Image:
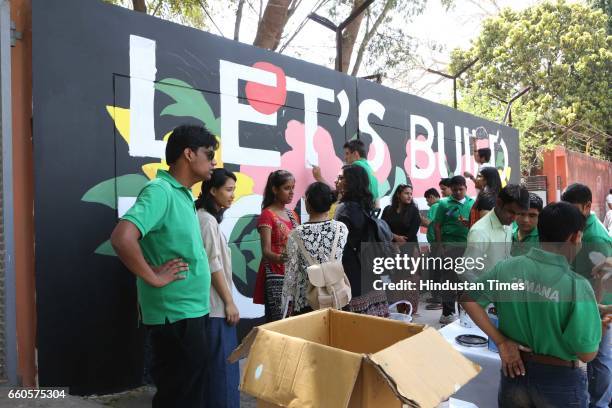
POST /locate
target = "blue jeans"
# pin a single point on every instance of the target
(599, 373)
(544, 386)
(224, 377)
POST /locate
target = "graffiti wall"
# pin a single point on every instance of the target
(110, 85)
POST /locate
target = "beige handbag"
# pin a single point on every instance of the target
(329, 286)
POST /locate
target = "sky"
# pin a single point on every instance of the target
(448, 29)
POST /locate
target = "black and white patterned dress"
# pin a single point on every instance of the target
(318, 238)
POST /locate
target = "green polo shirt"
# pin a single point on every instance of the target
(373, 181)
(595, 238)
(447, 215)
(521, 247)
(556, 314)
(165, 215)
(431, 215)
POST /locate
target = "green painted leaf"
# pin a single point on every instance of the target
(239, 267)
(189, 102)
(400, 177)
(383, 188)
(238, 229)
(128, 185)
(105, 249)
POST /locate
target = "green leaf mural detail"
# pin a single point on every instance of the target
(242, 243)
(188, 102)
(400, 177)
(239, 266)
(383, 188)
(128, 185)
(105, 249)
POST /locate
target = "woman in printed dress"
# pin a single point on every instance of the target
(274, 225)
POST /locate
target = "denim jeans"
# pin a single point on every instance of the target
(599, 373)
(544, 386)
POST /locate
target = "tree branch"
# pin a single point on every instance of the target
(238, 19)
(139, 5)
(368, 36)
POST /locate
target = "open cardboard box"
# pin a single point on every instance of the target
(336, 359)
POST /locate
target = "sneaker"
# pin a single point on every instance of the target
(448, 319)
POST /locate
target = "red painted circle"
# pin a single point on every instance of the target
(267, 99)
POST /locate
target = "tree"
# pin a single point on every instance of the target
(188, 12)
(564, 53)
(272, 24)
(606, 7)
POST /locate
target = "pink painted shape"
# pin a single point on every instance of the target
(421, 185)
(383, 172)
(295, 162)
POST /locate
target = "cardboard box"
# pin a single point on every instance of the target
(335, 359)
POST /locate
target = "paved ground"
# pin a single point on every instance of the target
(141, 397)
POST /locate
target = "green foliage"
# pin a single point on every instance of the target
(606, 7)
(564, 53)
(186, 12)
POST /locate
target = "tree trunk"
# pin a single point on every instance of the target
(272, 24)
(139, 5)
(368, 36)
(349, 36)
(238, 18)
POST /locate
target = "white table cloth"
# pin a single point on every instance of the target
(482, 390)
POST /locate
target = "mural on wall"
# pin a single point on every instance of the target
(127, 87)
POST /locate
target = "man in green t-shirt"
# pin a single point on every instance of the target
(355, 153)
(159, 241)
(525, 228)
(596, 243)
(548, 322)
(451, 220)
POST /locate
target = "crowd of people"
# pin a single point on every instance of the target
(182, 261)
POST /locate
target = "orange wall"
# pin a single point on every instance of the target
(575, 167)
(23, 182)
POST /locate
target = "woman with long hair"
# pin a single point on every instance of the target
(357, 204)
(404, 221)
(489, 185)
(320, 237)
(274, 225)
(217, 195)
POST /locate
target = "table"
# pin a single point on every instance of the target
(482, 390)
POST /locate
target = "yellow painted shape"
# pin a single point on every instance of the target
(121, 117)
(244, 185)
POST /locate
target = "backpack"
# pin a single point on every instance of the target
(377, 230)
(329, 286)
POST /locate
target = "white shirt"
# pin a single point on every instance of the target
(489, 239)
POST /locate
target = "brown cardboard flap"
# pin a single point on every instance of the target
(424, 369)
(292, 372)
(243, 349)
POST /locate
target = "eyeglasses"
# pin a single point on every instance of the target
(210, 155)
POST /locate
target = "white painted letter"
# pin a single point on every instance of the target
(425, 146)
(366, 108)
(232, 112)
(142, 91)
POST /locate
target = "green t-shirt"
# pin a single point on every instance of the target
(431, 214)
(447, 215)
(373, 181)
(165, 215)
(595, 238)
(521, 247)
(556, 314)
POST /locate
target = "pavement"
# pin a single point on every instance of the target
(141, 397)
